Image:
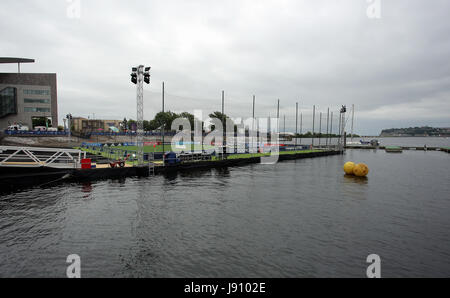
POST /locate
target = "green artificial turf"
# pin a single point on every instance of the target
(150, 149)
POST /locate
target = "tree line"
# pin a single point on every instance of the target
(165, 120)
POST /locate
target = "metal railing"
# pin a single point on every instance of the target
(65, 133)
(12, 156)
(34, 133)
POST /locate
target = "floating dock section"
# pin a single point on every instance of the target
(18, 177)
(394, 149)
(417, 148)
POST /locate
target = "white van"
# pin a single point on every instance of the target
(18, 127)
(40, 128)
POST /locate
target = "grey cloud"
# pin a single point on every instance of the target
(323, 52)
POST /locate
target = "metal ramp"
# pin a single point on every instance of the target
(26, 157)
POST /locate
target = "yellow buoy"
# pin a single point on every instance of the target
(361, 170)
(348, 168)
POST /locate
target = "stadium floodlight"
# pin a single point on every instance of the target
(138, 77)
(147, 75)
(134, 78)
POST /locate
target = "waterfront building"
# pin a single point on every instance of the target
(84, 125)
(26, 96)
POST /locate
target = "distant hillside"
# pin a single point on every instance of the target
(425, 131)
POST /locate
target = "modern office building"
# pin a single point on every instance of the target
(25, 96)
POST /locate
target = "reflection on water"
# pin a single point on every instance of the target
(86, 187)
(122, 181)
(170, 176)
(355, 188)
(223, 172)
(301, 218)
(355, 179)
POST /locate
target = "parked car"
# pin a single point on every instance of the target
(18, 127)
(40, 128)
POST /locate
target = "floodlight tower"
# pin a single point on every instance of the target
(140, 75)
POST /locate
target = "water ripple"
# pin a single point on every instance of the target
(295, 219)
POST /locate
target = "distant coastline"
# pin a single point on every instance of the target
(423, 132)
(399, 137)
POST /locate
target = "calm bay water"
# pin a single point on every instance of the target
(394, 141)
(299, 218)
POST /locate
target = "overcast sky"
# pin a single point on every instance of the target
(395, 69)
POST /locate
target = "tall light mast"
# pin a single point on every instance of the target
(138, 77)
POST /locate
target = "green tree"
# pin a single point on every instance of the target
(124, 124)
(163, 119)
(188, 116)
(220, 116)
(147, 125)
(131, 123)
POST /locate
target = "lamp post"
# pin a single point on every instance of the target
(224, 121)
(164, 123)
(278, 119)
(331, 128)
(320, 129)
(296, 124)
(69, 124)
(342, 128)
(253, 128)
(313, 125)
(328, 126)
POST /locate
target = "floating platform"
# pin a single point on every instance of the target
(445, 149)
(417, 148)
(394, 149)
(14, 178)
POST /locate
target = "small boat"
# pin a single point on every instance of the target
(394, 149)
(373, 143)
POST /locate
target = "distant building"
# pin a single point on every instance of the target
(25, 96)
(84, 125)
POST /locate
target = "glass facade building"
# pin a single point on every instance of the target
(8, 101)
(36, 92)
(36, 110)
(27, 96)
(34, 100)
